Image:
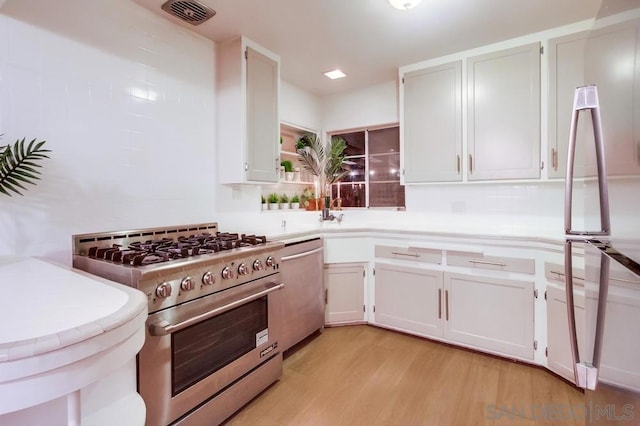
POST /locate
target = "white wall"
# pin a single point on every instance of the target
(125, 100)
(369, 107)
(299, 108)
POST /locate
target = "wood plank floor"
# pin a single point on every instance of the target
(363, 375)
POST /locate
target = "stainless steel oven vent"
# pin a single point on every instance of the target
(189, 11)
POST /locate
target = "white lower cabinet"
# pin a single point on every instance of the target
(490, 313)
(486, 313)
(409, 299)
(344, 293)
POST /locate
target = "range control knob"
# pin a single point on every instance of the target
(270, 262)
(243, 269)
(258, 265)
(226, 273)
(163, 290)
(187, 284)
(208, 278)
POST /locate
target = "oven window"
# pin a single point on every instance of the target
(206, 347)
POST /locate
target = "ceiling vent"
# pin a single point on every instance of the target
(189, 11)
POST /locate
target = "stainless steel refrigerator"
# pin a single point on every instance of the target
(602, 219)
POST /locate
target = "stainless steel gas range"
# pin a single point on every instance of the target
(214, 315)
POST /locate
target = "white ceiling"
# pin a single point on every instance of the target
(368, 39)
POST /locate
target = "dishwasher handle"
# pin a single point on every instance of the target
(303, 254)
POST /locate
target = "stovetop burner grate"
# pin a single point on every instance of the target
(140, 253)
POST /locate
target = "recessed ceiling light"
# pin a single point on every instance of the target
(335, 74)
(404, 4)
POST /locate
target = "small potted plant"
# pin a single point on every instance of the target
(295, 202)
(288, 169)
(284, 201)
(273, 200)
(264, 202)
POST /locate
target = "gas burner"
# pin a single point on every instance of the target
(140, 253)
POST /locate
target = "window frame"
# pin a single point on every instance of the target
(366, 155)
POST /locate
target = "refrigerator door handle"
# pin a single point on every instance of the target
(586, 374)
(586, 98)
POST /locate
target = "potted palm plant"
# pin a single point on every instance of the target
(326, 163)
(18, 165)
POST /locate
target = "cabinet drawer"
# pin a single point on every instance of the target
(495, 263)
(414, 254)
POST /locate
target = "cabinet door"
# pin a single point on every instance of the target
(504, 114)
(566, 73)
(431, 130)
(263, 126)
(610, 62)
(409, 299)
(490, 313)
(559, 357)
(344, 297)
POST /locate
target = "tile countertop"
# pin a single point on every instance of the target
(62, 331)
(47, 307)
(473, 228)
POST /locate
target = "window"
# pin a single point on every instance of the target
(373, 158)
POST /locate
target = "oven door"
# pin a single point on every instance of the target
(195, 350)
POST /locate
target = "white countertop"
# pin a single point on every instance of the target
(404, 223)
(46, 307)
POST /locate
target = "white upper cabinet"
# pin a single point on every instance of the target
(431, 127)
(247, 83)
(503, 114)
(566, 73)
(610, 62)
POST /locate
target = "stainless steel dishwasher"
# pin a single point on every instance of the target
(302, 269)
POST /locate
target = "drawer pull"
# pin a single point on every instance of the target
(561, 275)
(405, 254)
(484, 262)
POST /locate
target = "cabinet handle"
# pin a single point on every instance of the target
(446, 304)
(458, 163)
(561, 276)
(439, 303)
(326, 296)
(405, 254)
(554, 158)
(470, 163)
(484, 262)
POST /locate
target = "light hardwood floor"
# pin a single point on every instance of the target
(363, 375)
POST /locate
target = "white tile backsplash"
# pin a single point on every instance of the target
(126, 102)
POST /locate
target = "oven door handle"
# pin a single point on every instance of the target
(163, 327)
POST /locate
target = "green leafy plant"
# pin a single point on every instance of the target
(264, 200)
(284, 199)
(326, 164)
(295, 199)
(19, 165)
(287, 164)
(273, 198)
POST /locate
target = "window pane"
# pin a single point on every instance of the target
(384, 141)
(356, 167)
(386, 195)
(355, 143)
(352, 194)
(384, 168)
